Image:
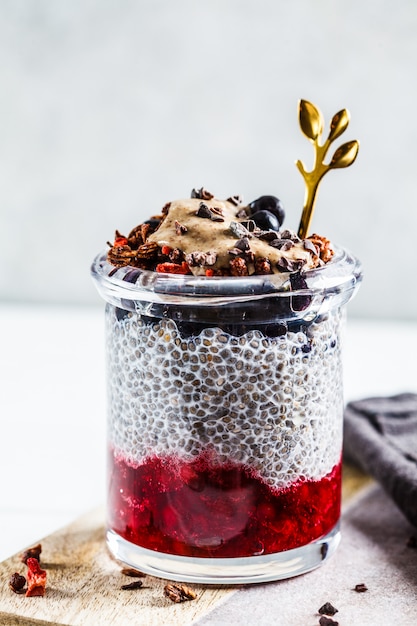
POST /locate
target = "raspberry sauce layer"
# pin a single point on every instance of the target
(200, 509)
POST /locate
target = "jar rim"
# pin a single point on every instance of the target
(342, 274)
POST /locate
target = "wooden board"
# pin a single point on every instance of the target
(84, 582)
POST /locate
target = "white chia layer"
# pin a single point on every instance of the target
(273, 404)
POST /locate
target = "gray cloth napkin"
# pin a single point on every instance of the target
(380, 435)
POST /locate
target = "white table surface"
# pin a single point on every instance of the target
(52, 390)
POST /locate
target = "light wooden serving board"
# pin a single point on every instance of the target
(84, 582)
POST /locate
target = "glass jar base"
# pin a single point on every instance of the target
(218, 571)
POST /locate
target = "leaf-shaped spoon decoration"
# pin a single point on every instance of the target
(338, 125)
(345, 155)
(311, 123)
(311, 120)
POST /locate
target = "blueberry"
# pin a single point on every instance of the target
(131, 276)
(121, 314)
(265, 220)
(153, 222)
(299, 303)
(271, 204)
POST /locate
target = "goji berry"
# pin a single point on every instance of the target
(173, 268)
(36, 578)
(166, 250)
(120, 241)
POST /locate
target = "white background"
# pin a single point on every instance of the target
(110, 108)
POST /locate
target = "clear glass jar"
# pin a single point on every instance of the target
(225, 410)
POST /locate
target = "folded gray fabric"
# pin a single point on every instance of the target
(380, 435)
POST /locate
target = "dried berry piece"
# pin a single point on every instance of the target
(17, 582)
(327, 621)
(137, 584)
(262, 266)
(238, 267)
(360, 588)
(173, 268)
(119, 240)
(327, 609)
(222, 271)
(31, 553)
(179, 593)
(36, 578)
(133, 573)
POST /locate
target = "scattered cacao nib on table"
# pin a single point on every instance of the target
(327, 621)
(176, 592)
(327, 609)
(179, 593)
(136, 584)
(360, 588)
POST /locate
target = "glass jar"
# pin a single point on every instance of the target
(225, 410)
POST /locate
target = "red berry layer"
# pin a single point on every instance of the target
(200, 509)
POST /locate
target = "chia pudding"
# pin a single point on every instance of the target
(225, 396)
(224, 378)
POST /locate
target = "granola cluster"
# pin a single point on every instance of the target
(206, 236)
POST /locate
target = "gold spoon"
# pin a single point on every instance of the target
(311, 123)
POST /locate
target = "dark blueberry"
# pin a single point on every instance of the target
(269, 203)
(274, 330)
(131, 276)
(121, 314)
(299, 303)
(266, 220)
(153, 222)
